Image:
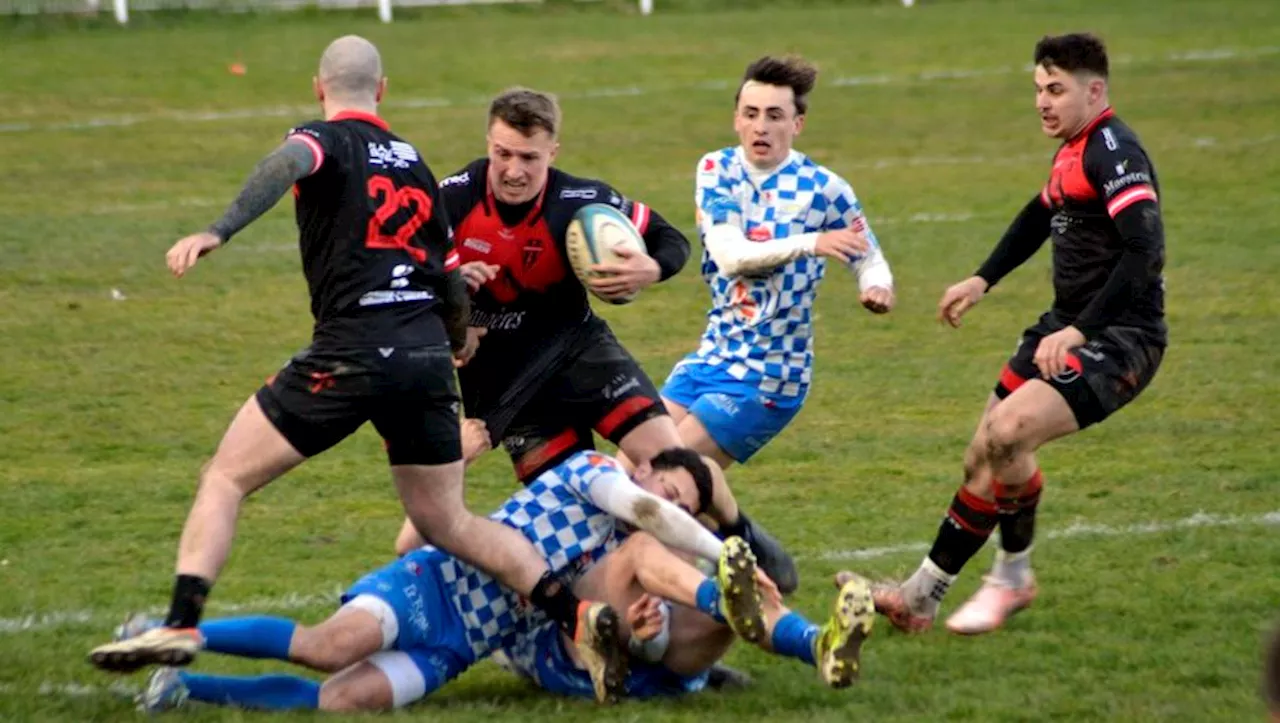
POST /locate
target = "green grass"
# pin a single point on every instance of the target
(108, 408)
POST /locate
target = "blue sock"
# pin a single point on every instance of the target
(793, 637)
(708, 598)
(268, 692)
(251, 637)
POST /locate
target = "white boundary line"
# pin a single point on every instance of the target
(294, 601)
(290, 111)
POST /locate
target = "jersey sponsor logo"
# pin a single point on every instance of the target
(1127, 179)
(460, 179)
(305, 131)
(477, 245)
(620, 385)
(1109, 139)
(503, 321)
(759, 233)
(417, 611)
(376, 298)
(709, 165)
(586, 194)
(533, 248)
(396, 154)
(386, 351)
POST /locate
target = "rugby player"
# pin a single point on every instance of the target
(1093, 352)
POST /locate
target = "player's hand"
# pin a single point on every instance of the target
(959, 298)
(843, 245)
(1051, 353)
(619, 281)
(184, 254)
(475, 439)
(644, 616)
(463, 355)
(877, 299)
(478, 273)
(769, 594)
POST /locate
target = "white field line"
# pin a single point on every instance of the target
(177, 116)
(1202, 143)
(1076, 530)
(36, 622)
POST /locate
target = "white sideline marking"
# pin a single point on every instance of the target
(1077, 529)
(294, 601)
(291, 111)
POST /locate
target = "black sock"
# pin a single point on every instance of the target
(969, 522)
(737, 528)
(189, 594)
(558, 601)
(1018, 514)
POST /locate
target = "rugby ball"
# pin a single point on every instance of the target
(595, 233)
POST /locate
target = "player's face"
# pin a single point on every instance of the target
(518, 163)
(1066, 101)
(673, 485)
(766, 122)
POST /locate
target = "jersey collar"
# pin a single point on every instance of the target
(359, 115)
(1104, 115)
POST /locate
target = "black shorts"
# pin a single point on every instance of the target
(322, 396)
(1102, 376)
(598, 387)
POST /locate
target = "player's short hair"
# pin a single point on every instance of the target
(526, 110)
(792, 72)
(1074, 52)
(691, 462)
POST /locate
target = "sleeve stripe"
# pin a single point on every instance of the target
(1130, 197)
(452, 261)
(640, 217)
(1044, 197)
(314, 145)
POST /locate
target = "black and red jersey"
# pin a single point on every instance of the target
(374, 239)
(536, 305)
(1101, 209)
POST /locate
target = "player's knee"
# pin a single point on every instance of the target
(975, 458)
(1005, 436)
(216, 479)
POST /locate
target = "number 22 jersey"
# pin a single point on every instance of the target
(374, 238)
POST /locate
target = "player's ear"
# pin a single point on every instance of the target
(555, 150)
(1097, 89)
(317, 88)
(799, 123)
(382, 89)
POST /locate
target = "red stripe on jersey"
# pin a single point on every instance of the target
(1130, 197)
(451, 261)
(359, 115)
(1044, 196)
(640, 217)
(316, 149)
(621, 413)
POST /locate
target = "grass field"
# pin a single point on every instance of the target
(1160, 576)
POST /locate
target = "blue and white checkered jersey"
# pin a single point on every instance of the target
(760, 325)
(556, 514)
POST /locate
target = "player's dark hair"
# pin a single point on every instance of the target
(526, 110)
(691, 462)
(1073, 53)
(792, 72)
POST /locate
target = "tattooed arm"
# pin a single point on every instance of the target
(271, 179)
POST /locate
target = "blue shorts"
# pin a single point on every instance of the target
(554, 671)
(421, 627)
(738, 416)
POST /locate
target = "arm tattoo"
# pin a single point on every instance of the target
(456, 309)
(269, 181)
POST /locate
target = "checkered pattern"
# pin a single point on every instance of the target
(759, 326)
(556, 514)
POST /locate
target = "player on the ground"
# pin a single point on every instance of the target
(413, 625)
(769, 217)
(1092, 353)
(549, 371)
(389, 305)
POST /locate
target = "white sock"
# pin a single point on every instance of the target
(926, 588)
(1013, 568)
